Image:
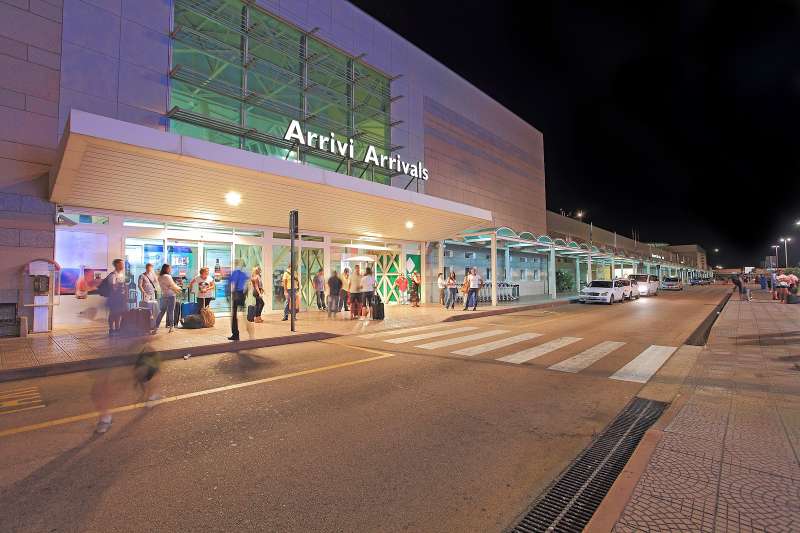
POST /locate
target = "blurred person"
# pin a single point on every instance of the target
(148, 286)
(402, 286)
(169, 294)
(368, 290)
(355, 292)
(115, 289)
(792, 297)
(451, 285)
(288, 275)
(319, 289)
(206, 287)
(238, 284)
(442, 285)
(475, 284)
(334, 293)
(414, 288)
(258, 292)
(344, 296)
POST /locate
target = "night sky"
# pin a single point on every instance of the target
(678, 119)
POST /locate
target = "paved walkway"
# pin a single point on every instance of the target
(87, 343)
(726, 457)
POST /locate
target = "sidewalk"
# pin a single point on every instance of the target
(92, 344)
(724, 457)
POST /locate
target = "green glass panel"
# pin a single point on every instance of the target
(205, 102)
(183, 128)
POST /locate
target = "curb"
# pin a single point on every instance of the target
(700, 335)
(481, 314)
(54, 369)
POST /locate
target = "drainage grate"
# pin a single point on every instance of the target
(573, 497)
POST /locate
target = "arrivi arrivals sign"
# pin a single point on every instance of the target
(344, 148)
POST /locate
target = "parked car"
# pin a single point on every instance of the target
(671, 284)
(697, 281)
(646, 283)
(630, 288)
(603, 291)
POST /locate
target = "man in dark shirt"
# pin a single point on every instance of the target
(334, 289)
(238, 284)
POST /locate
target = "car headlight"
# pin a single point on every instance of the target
(604, 294)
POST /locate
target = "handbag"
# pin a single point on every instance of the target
(251, 313)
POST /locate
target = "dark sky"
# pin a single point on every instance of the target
(680, 119)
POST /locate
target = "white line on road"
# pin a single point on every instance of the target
(538, 351)
(400, 331)
(430, 335)
(645, 364)
(587, 357)
(494, 345)
(461, 340)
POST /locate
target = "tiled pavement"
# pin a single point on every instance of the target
(728, 459)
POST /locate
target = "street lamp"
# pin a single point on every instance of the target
(716, 250)
(579, 215)
(785, 241)
(776, 246)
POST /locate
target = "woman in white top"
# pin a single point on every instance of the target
(206, 287)
(368, 289)
(440, 282)
(169, 293)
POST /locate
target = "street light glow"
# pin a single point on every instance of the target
(233, 198)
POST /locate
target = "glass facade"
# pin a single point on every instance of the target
(240, 75)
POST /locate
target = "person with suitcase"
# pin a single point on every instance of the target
(169, 294)
(115, 288)
(148, 283)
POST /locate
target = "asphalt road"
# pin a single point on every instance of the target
(389, 433)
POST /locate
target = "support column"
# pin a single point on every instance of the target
(494, 269)
(589, 268)
(508, 275)
(577, 273)
(551, 273)
(440, 258)
(612, 267)
(423, 271)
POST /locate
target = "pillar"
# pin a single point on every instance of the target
(440, 258)
(612, 267)
(423, 271)
(508, 263)
(589, 267)
(494, 269)
(551, 273)
(577, 273)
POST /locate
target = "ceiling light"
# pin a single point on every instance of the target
(233, 198)
(409, 224)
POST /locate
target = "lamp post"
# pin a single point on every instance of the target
(776, 246)
(785, 241)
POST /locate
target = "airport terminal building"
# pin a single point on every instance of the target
(184, 131)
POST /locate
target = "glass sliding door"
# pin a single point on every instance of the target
(217, 257)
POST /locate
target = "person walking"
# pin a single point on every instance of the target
(414, 289)
(147, 283)
(237, 286)
(334, 292)
(116, 292)
(402, 288)
(344, 295)
(442, 284)
(475, 284)
(368, 289)
(451, 286)
(319, 289)
(205, 287)
(288, 292)
(169, 294)
(355, 292)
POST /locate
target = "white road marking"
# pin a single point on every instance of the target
(586, 358)
(461, 340)
(538, 351)
(647, 363)
(400, 331)
(429, 335)
(494, 345)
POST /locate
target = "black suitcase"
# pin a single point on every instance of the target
(136, 322)
(377, 311)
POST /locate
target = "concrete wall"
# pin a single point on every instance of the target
(30, 57)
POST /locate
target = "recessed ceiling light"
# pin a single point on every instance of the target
(233, 198)
(409, 225)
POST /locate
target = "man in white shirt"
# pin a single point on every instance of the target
(147, 283)
(475, 283)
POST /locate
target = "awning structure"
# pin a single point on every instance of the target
(110, 164)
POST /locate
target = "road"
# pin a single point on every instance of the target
(393, 432)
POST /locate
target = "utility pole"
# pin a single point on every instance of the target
(293, 234)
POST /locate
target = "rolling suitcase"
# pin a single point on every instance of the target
(187, 309)
(136, 321)
(377, 311)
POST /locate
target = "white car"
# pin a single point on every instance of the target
(630, 289)
(646, 283)
(603, 291)
(671, 284)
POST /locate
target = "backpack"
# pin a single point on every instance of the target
(193, 322)
(104, 289)
(208, 317)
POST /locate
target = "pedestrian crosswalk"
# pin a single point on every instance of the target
(495, 344)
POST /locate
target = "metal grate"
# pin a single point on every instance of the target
(573, 497)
